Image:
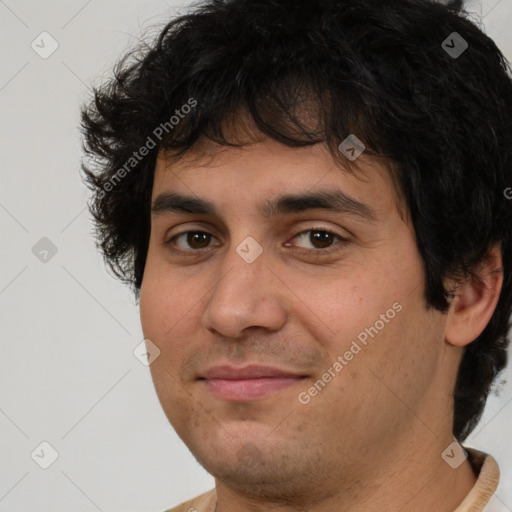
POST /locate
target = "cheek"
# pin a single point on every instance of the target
(160, 315)
(151, 308)
(147, 296)
(159, 299)
(169, 315)
(345, 305)
(161, 307)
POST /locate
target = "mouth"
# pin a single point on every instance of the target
(248, 383)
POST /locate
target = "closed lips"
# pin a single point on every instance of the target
(249, 372)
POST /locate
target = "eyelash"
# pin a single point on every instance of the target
(308, 252)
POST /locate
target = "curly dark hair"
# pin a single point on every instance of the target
(375, 68)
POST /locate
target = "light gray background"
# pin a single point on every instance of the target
(68, 375)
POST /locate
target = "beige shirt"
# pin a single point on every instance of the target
(484, 465)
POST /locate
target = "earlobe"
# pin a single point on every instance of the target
(475, 301)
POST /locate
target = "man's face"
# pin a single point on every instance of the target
(309, 300)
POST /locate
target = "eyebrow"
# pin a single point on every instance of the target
(336, 201)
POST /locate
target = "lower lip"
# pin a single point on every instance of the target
(248, 389)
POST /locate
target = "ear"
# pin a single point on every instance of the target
(475, 300)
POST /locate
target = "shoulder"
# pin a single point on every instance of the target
(487, 472)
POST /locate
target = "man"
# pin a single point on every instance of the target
(308, 200)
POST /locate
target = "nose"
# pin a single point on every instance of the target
(245, 295)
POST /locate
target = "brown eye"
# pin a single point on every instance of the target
(194, 239)
(322, 239)
(319, 238)
(198, 239)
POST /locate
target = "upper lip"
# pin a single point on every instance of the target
(246, 372)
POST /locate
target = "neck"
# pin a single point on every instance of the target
(412, 477)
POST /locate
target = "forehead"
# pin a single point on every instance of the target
(283, 179)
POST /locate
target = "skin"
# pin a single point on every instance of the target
(372, 438)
